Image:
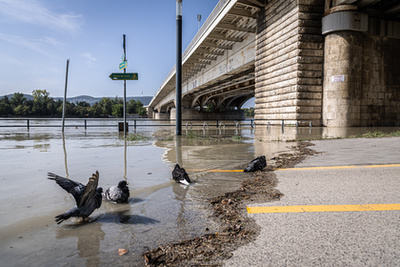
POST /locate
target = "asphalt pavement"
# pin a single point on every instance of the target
(354, 172)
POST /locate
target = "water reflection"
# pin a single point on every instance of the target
(123, 217)
(180, 192)
(89, 236)
(65, 156)
(125, 161)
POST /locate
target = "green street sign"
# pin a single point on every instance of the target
(123, 65)
(124, 76)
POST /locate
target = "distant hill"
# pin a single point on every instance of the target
(90, 99)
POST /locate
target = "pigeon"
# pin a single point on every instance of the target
(180, 175)
(87, 198)
(117, 193)
(256, 164)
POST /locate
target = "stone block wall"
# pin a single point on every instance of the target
(342, 80)
(380, 96)
(361, 80)
(289, 62)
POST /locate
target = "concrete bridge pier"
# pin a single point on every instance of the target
(342, 81)
(361, 69)
(194, 114)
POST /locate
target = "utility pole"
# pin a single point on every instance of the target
(124, 47)
(65, 97)
(178, 74)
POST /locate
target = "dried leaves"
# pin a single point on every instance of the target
(237, 227)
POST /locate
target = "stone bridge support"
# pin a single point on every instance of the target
(361, 70)
(329, 65)
(289, 62)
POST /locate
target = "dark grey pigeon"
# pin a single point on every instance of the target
(256, 164)
(88, 198)
(180, 175)
(117, 193)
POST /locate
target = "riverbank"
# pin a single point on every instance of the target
(229, 210)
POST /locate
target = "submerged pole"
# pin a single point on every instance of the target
(65, 96)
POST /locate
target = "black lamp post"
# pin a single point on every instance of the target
(178, 74)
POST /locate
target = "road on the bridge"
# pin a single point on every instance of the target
(340, 238)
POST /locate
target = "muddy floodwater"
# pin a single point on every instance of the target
(159, 210)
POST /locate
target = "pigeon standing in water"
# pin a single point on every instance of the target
(117, 193)
(256, 164)
(180, 175)
(88, 198)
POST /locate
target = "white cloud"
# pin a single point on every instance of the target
(32, 12)
(36, 45)
(89, 58)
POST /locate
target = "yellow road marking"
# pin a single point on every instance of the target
(213, 170)
(308, 168)
(340, 167)
(324, 208)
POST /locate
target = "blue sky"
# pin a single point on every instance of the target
(38, 36)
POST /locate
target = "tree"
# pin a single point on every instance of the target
(5, 106)
(118, 110)
(249, 112)
(106, 106)
(17, 99)
(82, 109)
(40, 100)
(95, 110)
(142, 111)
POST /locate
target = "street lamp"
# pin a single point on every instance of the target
(198, 21)
(178, 74)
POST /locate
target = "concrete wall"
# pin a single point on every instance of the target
(361, 79)
(342, 80)
(380, 102)
(192, 114)
(289, 62)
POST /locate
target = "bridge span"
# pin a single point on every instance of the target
(329, 62)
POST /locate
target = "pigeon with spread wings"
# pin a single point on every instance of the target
(87, 198)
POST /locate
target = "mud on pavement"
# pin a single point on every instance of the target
(229, 210)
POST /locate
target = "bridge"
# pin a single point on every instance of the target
(331, 63)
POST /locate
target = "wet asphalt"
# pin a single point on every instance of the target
(359, 238)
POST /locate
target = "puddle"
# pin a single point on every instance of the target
(159, 210)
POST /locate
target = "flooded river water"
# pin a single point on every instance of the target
(159, 210)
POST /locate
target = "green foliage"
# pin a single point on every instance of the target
(377, 134)
(249, 112)
(135, 107)
(237, 138)
(5, 106)
(137, 137)
(43, 105)
(106, 106)
(118, 110)
(17, 99)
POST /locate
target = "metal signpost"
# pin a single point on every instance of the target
(178, 74)
(124, 76)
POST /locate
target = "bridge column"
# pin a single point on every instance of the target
(194, 114)
(342, 81)
(161, 115)
(361, 69)
(289, 62)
